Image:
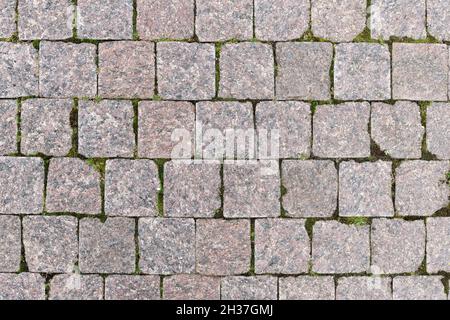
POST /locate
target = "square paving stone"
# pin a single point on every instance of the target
(307, 288)
(219, 20)
(311, 188)
(247, 71)
(127, 69)
(397, 129)
(73, 186)
(281, 20)
(438, 244)
(51, 243)
(23, 286)
(45, 19)
(281, 246)
(364, 288)
(10, 243)
(105, 129)
(418, 288)
(420, 71)
(342, 131)
(67, 70)
(398, 246)
(398, 18)
(191, 287)
(362, 71)
(167, 246)
(338, 21)
(132, 288)
(223, 127)
(7, 18)
(76, 287)
(105, 19)
(107, 247)
(249, 288)
(223, 246)
(8, 127)
(21, 185)
(45, 126)
(284, 129)
(438, 130)
(251, 190)
(166, 129)
(421, 187)
(304, 70)
(131, 188)
(438, 19)
(19, 70)
(192, 189)
(340, 248)
(365, 189)
(186, 71)
(165, 19)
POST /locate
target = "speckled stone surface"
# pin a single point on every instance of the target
(10, 235)
(311, 188)
(45, 126)
(281, 247)
(51, 243)
(420, 71)
(167, 246)
(131, 188)
(166, 129)
(438, 19)
(170, 19)
(362, 71)
(19, 70)
(192, 189)
(73, 186)
(191, 287)
(251, 190)
(132, 288)
(45, 19)
(67, 70)
(8, 127)
(76, 287)
(21, 185)
(340, 248)
(397, 129)
(365, 189)
(126, 69)
(421, 187)
(306, 288)
(438, 130)
(107, 247)
(438, 244)
(342, 131)
(7, 18)
(246, 71)
(105, 19)
(397, 246)
(338, 20)
(219, 20)
(105, 129)
(418, 288)
(186, 71)
(364, 288)
(223, 246)
(249, 288)
(304, 70)
(23, 286)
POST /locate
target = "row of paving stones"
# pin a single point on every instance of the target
(148, 129)
(311, 188)
(122, 287)
(165, 246)
(217, 20)
(248, 70)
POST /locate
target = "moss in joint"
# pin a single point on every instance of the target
(160, 197)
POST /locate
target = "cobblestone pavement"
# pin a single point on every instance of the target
(101, 100)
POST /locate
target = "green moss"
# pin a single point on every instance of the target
(160, 197)
(218, 49)
(309, 225)
(156, 98)
(358, 221)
